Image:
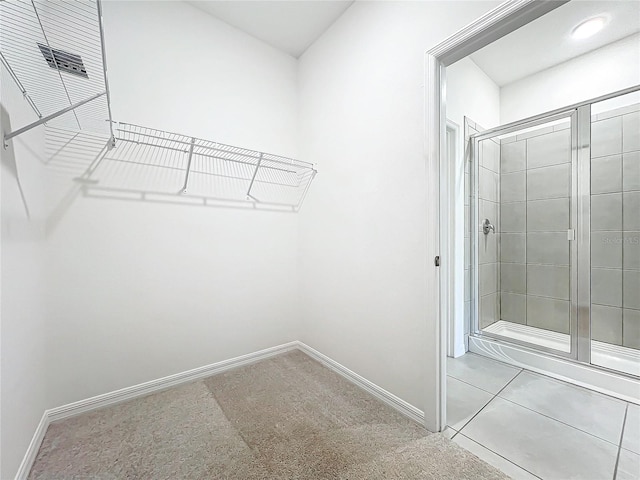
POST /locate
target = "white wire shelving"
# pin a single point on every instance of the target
(54, 51)
(152, 164)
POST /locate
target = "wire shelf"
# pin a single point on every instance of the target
(147, 161)
(54, 51)
(44, 44)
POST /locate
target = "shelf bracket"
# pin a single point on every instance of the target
(186, 177)
(253, 179)
(15, 133)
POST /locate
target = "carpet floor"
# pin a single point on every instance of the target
(287, 417)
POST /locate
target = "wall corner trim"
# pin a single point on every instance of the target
(146, 388)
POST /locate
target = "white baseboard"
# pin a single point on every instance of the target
(380, 393)
(128, 393)
(34, 446)
(153, 386)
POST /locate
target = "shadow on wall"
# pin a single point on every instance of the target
(8, 159)
(148, 165)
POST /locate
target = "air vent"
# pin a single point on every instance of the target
(65, 61)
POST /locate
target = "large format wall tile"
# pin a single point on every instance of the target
(513, 307)
(513, 157)
(488, 310)
(548, 313)
(606, 174)
(606, 286)
(548, 281)
(631, 289)
(548, 248)
(631, 210)
(631, 328)
(549, 182)
(490, 155)
(631, 171)
(488, 282)
(606, 212)
(631, 250)
(631, 132)
(488, 210)
(606, 249)
(488, 186)
(606, 324)
(513, 217)
(513, 187)
(513, 247)
(551, 149)
(548, 215)
(513, 277)
(487, 248)
(606, 137)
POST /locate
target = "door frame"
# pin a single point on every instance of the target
(496, 23)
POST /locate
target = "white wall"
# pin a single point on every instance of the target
(138, 290)
(363, 229)
(22, 309)
(610, 68)
(470, 93)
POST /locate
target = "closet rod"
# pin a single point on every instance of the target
(9, 136)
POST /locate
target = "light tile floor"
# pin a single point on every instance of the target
(532, 426)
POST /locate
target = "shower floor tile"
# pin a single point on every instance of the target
(539, 427)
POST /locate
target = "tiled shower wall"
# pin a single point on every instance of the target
(615, 227)
(528, 279)
(470, 128)
(489, 191)
(488, 245)
(534, 210)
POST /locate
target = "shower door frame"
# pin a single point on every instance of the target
(572, 115)
(580, 206)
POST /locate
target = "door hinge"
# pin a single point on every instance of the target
(437, 260)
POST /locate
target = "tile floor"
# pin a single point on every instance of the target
(532, 426)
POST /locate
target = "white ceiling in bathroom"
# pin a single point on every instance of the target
(290, 26)
(547, 41)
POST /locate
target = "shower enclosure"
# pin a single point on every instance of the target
(554, 230)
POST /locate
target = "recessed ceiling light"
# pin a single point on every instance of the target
(588, 28)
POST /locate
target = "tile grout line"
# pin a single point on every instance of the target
(574, 386)
(559, 421)
(624, 422)
(496, 453)
(491, 400)
(472, 385)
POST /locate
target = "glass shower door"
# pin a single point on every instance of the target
(524, 252)
(615, 234)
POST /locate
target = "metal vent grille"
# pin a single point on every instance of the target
(64, 61)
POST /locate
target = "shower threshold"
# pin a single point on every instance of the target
(614, 357)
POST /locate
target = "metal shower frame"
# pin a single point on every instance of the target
(580, 215)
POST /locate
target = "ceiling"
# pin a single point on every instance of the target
(290, 26)
(547, 41)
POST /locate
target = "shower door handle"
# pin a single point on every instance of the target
(487, 226)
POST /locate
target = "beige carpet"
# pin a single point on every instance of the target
(287, 417)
